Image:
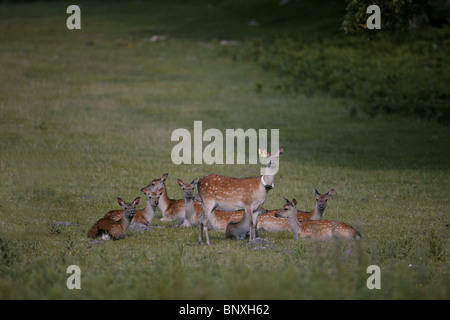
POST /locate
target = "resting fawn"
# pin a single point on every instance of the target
(172, 210)
(268, 222)
(241, 229)
(143, 218)
(318, 229)
(192, 208)
(114, 225)
(154, 186)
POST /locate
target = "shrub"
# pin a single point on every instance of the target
(394, 73)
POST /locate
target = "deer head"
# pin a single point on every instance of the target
(321, 199)
(188, 188)
(272, 162)
(128, 208)
(288, 209)
(156, 184)
(153, 197)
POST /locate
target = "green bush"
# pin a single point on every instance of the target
(395, 14)
(398, 73)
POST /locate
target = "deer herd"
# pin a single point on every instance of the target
(233, 205)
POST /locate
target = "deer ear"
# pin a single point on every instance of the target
(330, 193)
(287, 200)
(194, 181)
(181, 184)
(136, 201)
(145, 190)
(121, 202)
(316, 193)
(164, 177)
(160, 192)
(294, 202)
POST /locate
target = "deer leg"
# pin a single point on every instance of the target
(248, 212)
(203, 222)
(205, 227)
(200, 232)
(200, 226)
(255, 224)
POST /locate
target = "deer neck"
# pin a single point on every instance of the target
(241, 228)
(126, 220)
(189, 210)
(267, 181)
(149, 213)
(294, 224)
(164, 202)
(317, 213)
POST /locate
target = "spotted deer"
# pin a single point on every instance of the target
(268, 222)
(218, 220)
(232, 194)
(113, 226)
(316, 229)
(143, 218)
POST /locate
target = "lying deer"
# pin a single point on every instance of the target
(218, 219)
(155, 186)
(232, 194)
(241, 229)
(318, 229)
(143, 218)
(172, 210)
(114, 225)
(268, 222)
(192, 208)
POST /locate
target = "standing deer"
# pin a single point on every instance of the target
(268, 222)
(218, 220)
(232, 194)
(318, 229)
(114, 225)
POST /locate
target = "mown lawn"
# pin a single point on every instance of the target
(86, 116)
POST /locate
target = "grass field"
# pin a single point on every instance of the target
(86, 116)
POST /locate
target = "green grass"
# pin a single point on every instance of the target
(86, 116)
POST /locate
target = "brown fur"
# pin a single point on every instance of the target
(114, 224)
